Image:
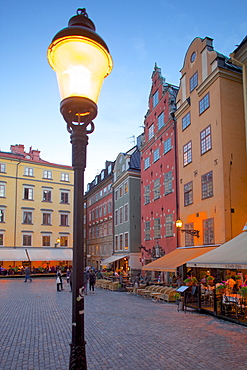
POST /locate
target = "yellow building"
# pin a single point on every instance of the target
(36, 203)
(211, 146)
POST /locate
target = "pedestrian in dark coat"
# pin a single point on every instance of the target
(27, 273)
(92, 280)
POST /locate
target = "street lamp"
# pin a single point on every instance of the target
(57, 242)
(179, 225)
(81, 60)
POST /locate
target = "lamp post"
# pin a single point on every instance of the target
(81, 60)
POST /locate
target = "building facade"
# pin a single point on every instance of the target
(36, 206)
(211, 146)
(99, 219)
(159, 202)
(127, 212)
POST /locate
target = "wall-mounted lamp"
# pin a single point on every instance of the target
(179, 225)
(57, 242)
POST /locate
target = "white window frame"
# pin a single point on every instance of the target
(30, 192)
(2, 190)
(62, 214)
(151, 132)
(29, 235)
(29, 171)
(44, 190)
(64, 192)
(146, 163)
(2, 167)
(24, 214)
(126, 234)
(65, 176)
(44, 235)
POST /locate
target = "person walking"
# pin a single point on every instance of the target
(27, 274)
(92, 280)
(70, 279)
(59, 280)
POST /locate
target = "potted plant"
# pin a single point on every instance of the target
(177, 297)
(220, 289)
(188, 281)
(243, 291)
(210, 280)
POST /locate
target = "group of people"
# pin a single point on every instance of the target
(89, 279)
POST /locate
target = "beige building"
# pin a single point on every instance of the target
(211, 146)
(36, 202)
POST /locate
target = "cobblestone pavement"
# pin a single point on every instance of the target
(122, 331)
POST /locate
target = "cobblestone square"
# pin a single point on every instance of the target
(122, 331)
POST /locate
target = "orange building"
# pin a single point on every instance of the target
(211, 146)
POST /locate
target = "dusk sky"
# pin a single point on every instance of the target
(139, 33)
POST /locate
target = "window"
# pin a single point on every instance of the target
(2, 167)
(204, 103)
(46, 195)
(116, 217)
(193, 81)
(46, 240)
(116, 194)
(2, 190)
(46, 218)
(121, 242)
(126, 187)
(187, 153)
(186, 121)
(47, 174)
(161, 120)
(101, 193)
(168, 182)
(126, 212)
(146, 163)
(64, 197)
(116, 242)
(28, 193)
(102, 175)
(28, 171)
(120, 191)
(1, 215)
(27, 217)
(188, 193)
(64, 177)
(126, 241)
(121, 215)
(123, 167)
(157, 228)
(147, 230)
(147, 194)
(64, 241)
(156, 154)
(155, 98)
(1, 239)
(207, 185)
(26, 240)
(189, 239)
(64, 220)
(169, 225)
(156, 188)
(208, 231)
(167, 145)
(109, 207)
(206, 143)
(151, 132)
(109, 169)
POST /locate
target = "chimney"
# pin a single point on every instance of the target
(17, 149)
(34, 154)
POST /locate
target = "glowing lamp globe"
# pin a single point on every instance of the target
(81, 60)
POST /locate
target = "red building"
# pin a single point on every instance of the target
(99, 217)
(159, 203)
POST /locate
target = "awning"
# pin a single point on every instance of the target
(13, 254)
(36, 254)
(176, 258)
(50, 254)
(230, 255)
(113, 258)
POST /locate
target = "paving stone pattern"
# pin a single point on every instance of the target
(122, 331)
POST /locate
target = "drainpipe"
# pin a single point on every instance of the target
(176, 174)
(16, 183)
